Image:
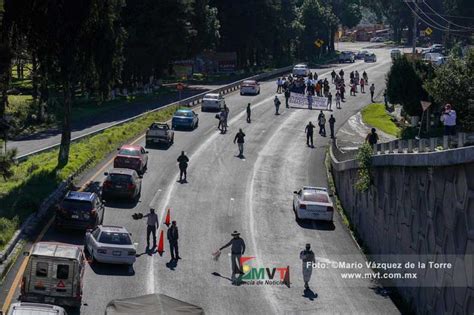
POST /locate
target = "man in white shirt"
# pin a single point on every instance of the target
(448, 117)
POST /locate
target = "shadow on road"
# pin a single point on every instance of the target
(221, 276)
(309, 294)
(159, 146)
(316, 225)
(112, 270)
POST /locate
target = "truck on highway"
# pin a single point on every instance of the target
(159, 133)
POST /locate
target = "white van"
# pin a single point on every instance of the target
(212, 101)
(54, 275)
(24, 308)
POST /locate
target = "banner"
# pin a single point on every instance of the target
(308, 101)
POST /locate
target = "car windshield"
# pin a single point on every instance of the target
(81, 205)
(131, 152)
(184, 114)
(315, 197)
(115, 238)
(120, 178)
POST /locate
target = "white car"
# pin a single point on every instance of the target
(434, 58)
(24, 308)
(212, 101)
(301, 70)
(250, 87)
(111, 245)
(313, 203)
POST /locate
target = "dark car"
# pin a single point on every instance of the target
(134, 157)
(185, 118)
(80, 210)
(121, 183)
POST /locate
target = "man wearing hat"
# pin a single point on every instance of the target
(172, 235)
(307, 256)
(237, 250)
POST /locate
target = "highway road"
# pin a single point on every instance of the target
(252, 195)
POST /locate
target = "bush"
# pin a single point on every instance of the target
(7, 228)
(364, 156)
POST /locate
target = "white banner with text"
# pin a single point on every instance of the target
(308, 101)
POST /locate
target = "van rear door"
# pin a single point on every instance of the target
(40, 276)
(63, 278)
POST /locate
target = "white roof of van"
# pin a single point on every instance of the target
(55, 250)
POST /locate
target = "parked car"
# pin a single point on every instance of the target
(134, 157)
(301, 70)
(212, 102)
(185, 118)
(313, 203)
(121, 182)
(395, 53)
(370, 57)
(80, 210)
(434, 58)
(25, 308)
(159, 133)
(54, 274)
(377, 40)
(361, 54)
(250, 87)
(435, 48)
(111, 245)
(346, 56)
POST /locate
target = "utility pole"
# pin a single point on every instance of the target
(415, 22)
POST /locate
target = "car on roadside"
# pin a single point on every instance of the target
(249, 87)
(212, 102)
(346, 56)
(121, 183)
(79, 210)
(361, 54)
(436, 59)
(159, 133)
(395, 53)
(301, 70)
(185, 118)
(134, 157)
(377, 40)
(313, 203)
(370, 57)
(435, 48)
(25, 308)
(111, 245)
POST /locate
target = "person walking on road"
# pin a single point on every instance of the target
(329, 101)
(322, 124)
(309, 134)
(362, 85)
(183, 165)
(332, 121)
(249, 112)
(338, 99)
(173, 236)
(279, 85)
(343, 90)
(372, 138)
(287, 97)
(239, 137)
(277, 103)
(308, 258)
(341, 74)
(372, 91)
(237, 250)
(151, 226)
(365, 76)
(333, 75)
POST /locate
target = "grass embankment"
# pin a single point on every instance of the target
(36, 178)
(376, 116)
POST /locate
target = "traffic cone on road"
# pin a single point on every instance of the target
(168, 218)
(160, 248)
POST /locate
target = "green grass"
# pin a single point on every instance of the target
(376, 116)
(35, 178)
(7, 228)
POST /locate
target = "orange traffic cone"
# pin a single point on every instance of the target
(160, 248)
(168, 218)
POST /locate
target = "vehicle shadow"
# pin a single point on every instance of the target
(316, 225)
(72, 237)
(112, 270)
(159, 146)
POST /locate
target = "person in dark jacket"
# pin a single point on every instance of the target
(173, 236)
(183, 165)
(372, 138)
(239, 137)
(309, 134)
(287, 97)
(322, 124)
(237, 250)
(332, 121)
(249, 112)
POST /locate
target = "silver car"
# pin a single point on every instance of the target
(111, 245)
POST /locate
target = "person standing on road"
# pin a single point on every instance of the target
(448, 118)
(365, 76)
(329, 100)
(322, 124)
(239, 137)
(249, 112)
(287, 97)
(309, 134)
(333, 75)
(277, 103)
(308, 258)
(151, 226)
(183, 166)
(225, 110)
(372, 91)
(338, 99)
(279, 85)
(362, 85)
(372, 138)
(332, 121)
(341, 73)
(237, 250)
(343, 90)
(173, 236)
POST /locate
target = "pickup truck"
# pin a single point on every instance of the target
(159, 132)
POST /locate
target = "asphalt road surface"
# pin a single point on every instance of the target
(252, 195)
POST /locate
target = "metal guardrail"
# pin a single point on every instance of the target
(190, 102)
